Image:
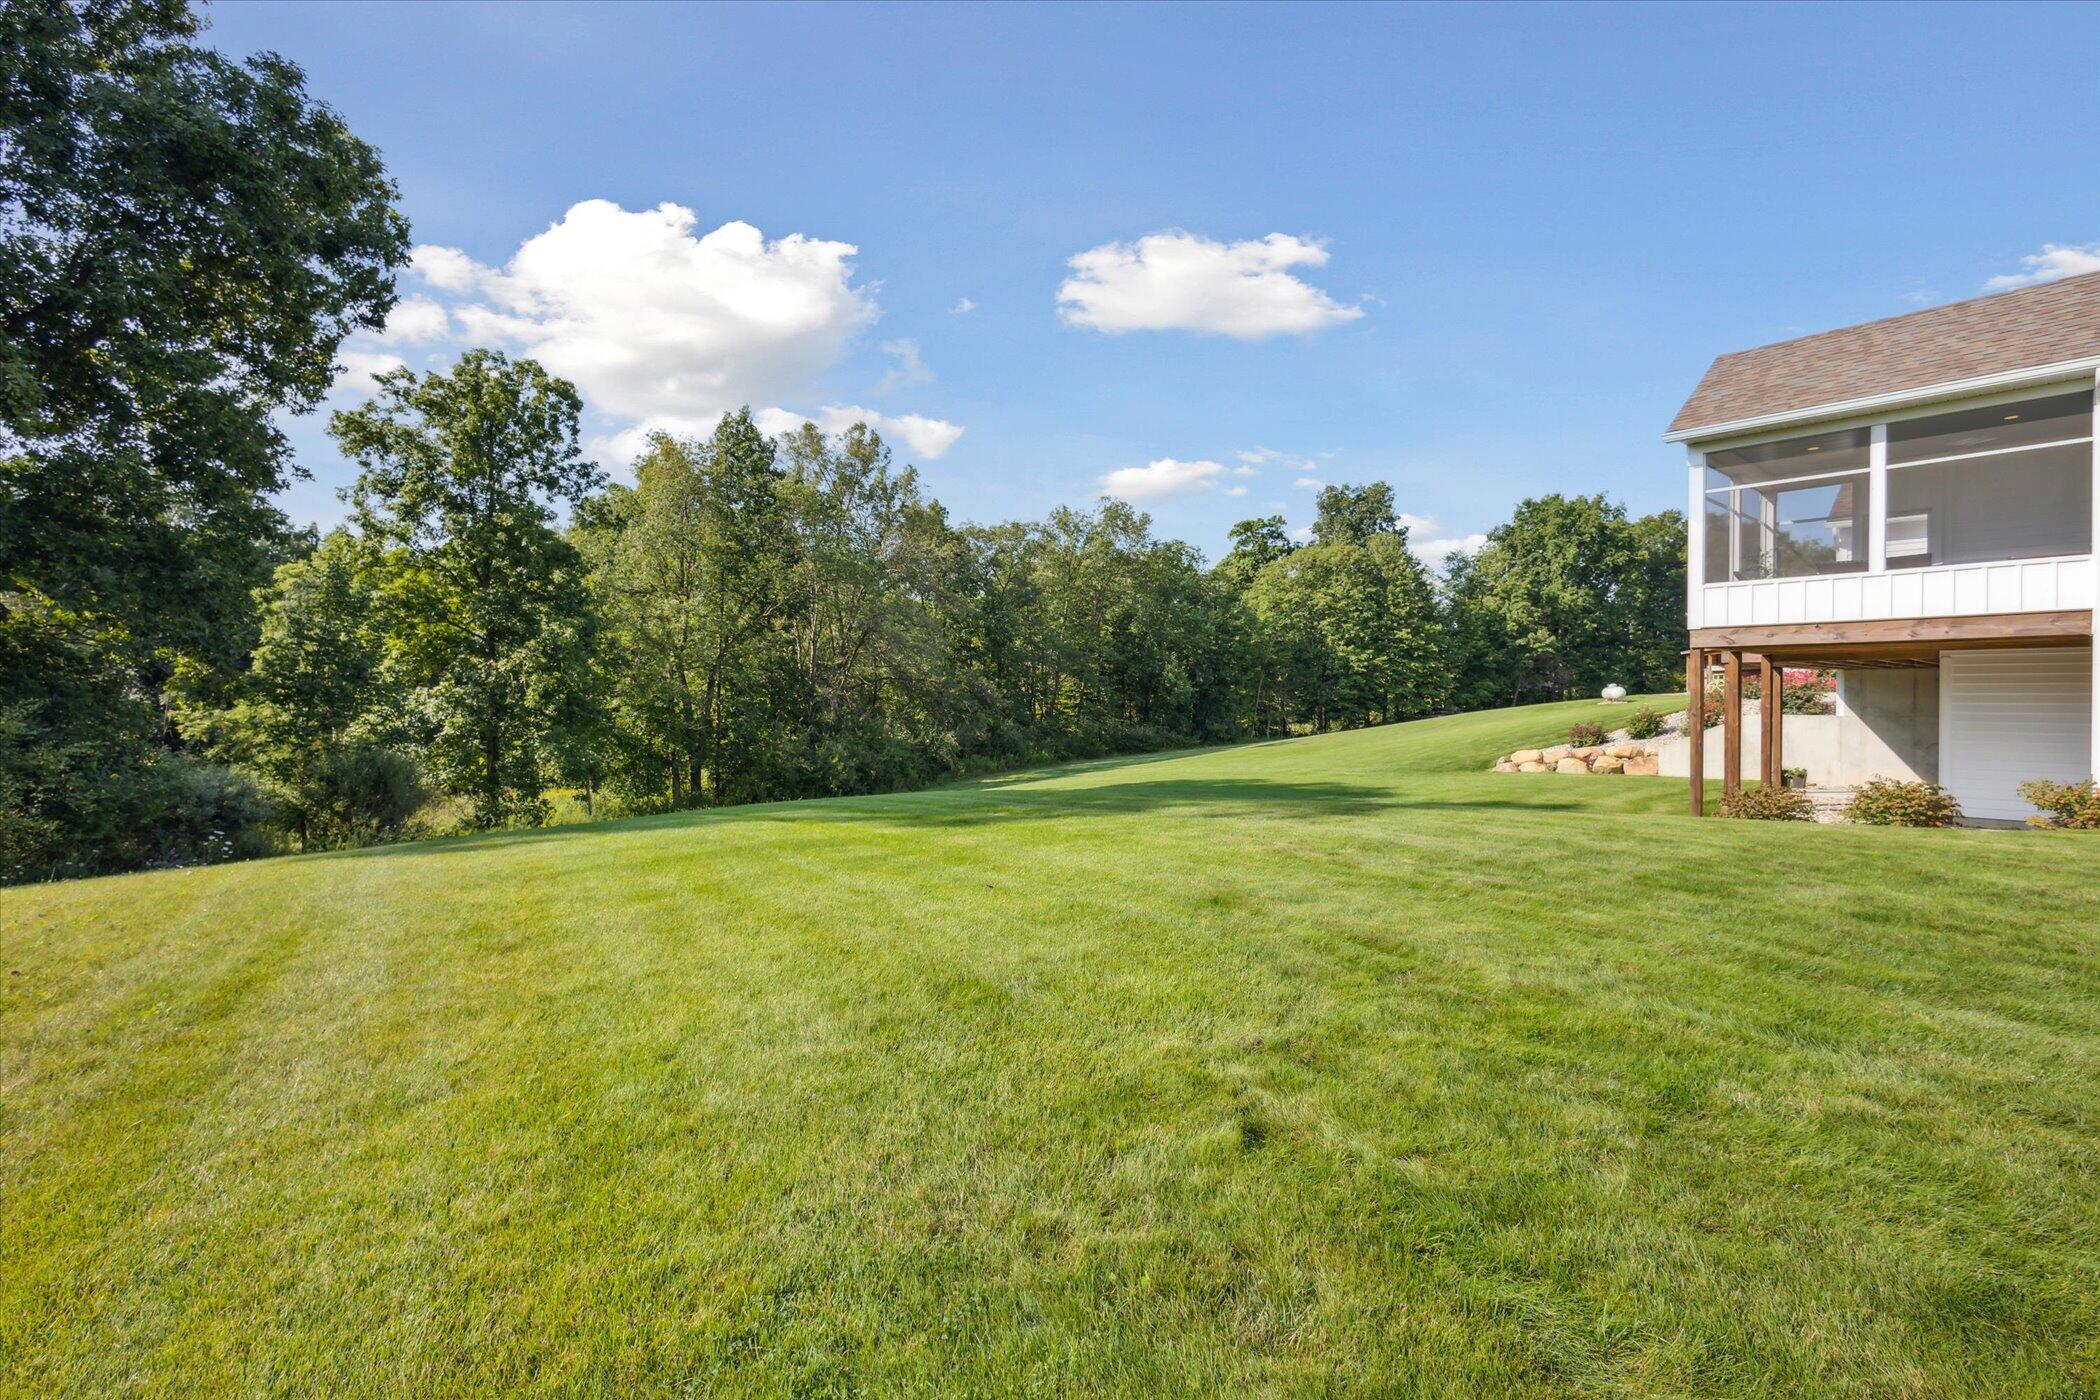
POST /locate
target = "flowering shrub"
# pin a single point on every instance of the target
(1583, 735)
(2072, 806)
(1888, 802)
(1768, 804)
(1643, 723)
(1801, 692)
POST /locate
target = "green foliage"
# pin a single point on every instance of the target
(1892, 802)
(1354, 514)
(87, 783)
(188, 240)
(2071, 806)
(1585, 734)
(184, 242)
(1568, 595)
(1643, 723)
(1768, 804)
(1806, 698)
(1348, 634)
(486, 611)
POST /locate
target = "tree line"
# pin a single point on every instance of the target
(499, 636)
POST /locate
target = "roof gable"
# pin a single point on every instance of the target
(2024, 329)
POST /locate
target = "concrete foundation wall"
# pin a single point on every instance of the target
(1887, 726)
(1893, 729)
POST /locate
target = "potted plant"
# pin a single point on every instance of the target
(1794, 777)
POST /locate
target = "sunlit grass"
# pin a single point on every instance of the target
(1336, 1063)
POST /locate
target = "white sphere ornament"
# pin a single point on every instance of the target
(1615, 693)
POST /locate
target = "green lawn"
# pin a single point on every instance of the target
(1335, 1064)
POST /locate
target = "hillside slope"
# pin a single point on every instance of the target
(1330, 1063)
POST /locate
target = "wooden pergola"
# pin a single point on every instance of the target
(1770, 649)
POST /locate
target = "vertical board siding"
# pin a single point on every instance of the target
(1952, 590)
(2008, 716)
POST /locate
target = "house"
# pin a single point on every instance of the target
(1909, 502)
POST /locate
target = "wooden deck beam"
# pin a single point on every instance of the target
(1941, 633)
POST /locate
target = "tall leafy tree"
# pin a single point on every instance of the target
(693, 570)
(312, 713)
(1356, 634)
(1354, 514)
(461, 477)
(184, 242)
(1567, 596)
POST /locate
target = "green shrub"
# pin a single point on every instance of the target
(1888, 802)
(1643, 723)
(1807, 699)
(2071, 806)
(1768, 804)
(1584, 735)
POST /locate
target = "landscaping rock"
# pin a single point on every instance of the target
(1527, 756)
(1571, 764)
(1503, 765)
(1556, 753)
(1646, 766)
(1533, 767)
(1627, 749)
(1607, 764)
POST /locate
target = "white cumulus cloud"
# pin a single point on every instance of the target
(415, 321)
(2054, 262)
(1437, 553)
(963, 307)
(1184, 281)
(360, 369)
(1159, 480)
(650, 318)
(926, 438)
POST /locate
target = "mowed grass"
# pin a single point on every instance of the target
(1331, 1065)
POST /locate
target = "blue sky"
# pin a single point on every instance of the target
(1479, 253)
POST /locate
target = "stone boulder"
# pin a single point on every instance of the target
(1556, 753)
(1607, 764)
(1646, 766)
(1533, 767)
(1503, 765)
(1570, 764)
(1527, 756)
(1624, 749)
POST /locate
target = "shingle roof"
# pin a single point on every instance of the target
(2024, 329)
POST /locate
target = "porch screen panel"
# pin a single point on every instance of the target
(2011, 481)
(1788, 509)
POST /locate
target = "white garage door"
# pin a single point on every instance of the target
(2007, 716)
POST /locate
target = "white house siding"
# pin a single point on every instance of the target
(1947, 590)
(2008, 716)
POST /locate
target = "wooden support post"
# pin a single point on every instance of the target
(1731, 723)
(1695, 724)
(1779, 725)
(1767, 722)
